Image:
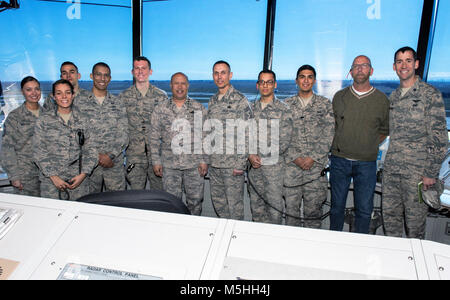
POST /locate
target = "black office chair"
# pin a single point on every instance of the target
(141, 199)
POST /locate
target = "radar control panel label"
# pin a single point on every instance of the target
(83, 272)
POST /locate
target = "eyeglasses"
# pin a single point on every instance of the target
(362, 66)
(268, 82)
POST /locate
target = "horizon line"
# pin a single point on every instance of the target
(234, 80)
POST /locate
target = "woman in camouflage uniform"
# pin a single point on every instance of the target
(16, 156)
(62, 147)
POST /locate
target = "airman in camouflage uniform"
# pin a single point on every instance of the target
(173, 147)
(69, 71)
(57, 152)
(140, 100)
(307, 155)
(110, 125)
(267, 163)
(417, 147)
(16, 152)
(226, 172)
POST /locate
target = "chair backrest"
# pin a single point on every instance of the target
(141, 199)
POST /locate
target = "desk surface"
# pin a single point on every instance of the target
(53, 235)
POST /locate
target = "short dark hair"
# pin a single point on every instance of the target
(101, 64)
(62, 81)
(266, 71)
(141, 58)
(403, 50)
(68, 63)
(222, 62)
(179, 73)
(306, 67)
(28, 79)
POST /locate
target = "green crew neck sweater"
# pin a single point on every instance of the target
(360, 120)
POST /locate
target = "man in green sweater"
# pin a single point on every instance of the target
(362, 122)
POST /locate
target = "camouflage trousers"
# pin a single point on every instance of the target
(114, 178)
(49, 190)
(189, 181)
(227, 193)
(313, 194)
(401, 207)
(137, 177)
(31, 186)
(266, 194)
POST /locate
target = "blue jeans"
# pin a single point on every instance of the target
(364, 174)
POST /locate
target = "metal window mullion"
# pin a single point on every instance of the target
(426, 36)
(270, 27)
(136, 16)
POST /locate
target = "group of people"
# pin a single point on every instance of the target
(83, 142)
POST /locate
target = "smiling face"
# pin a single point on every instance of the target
(32, 91)
(180, 86)
(141, 71)
(405, 66)
(306, 81)
(101, 78)
(63, 96)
